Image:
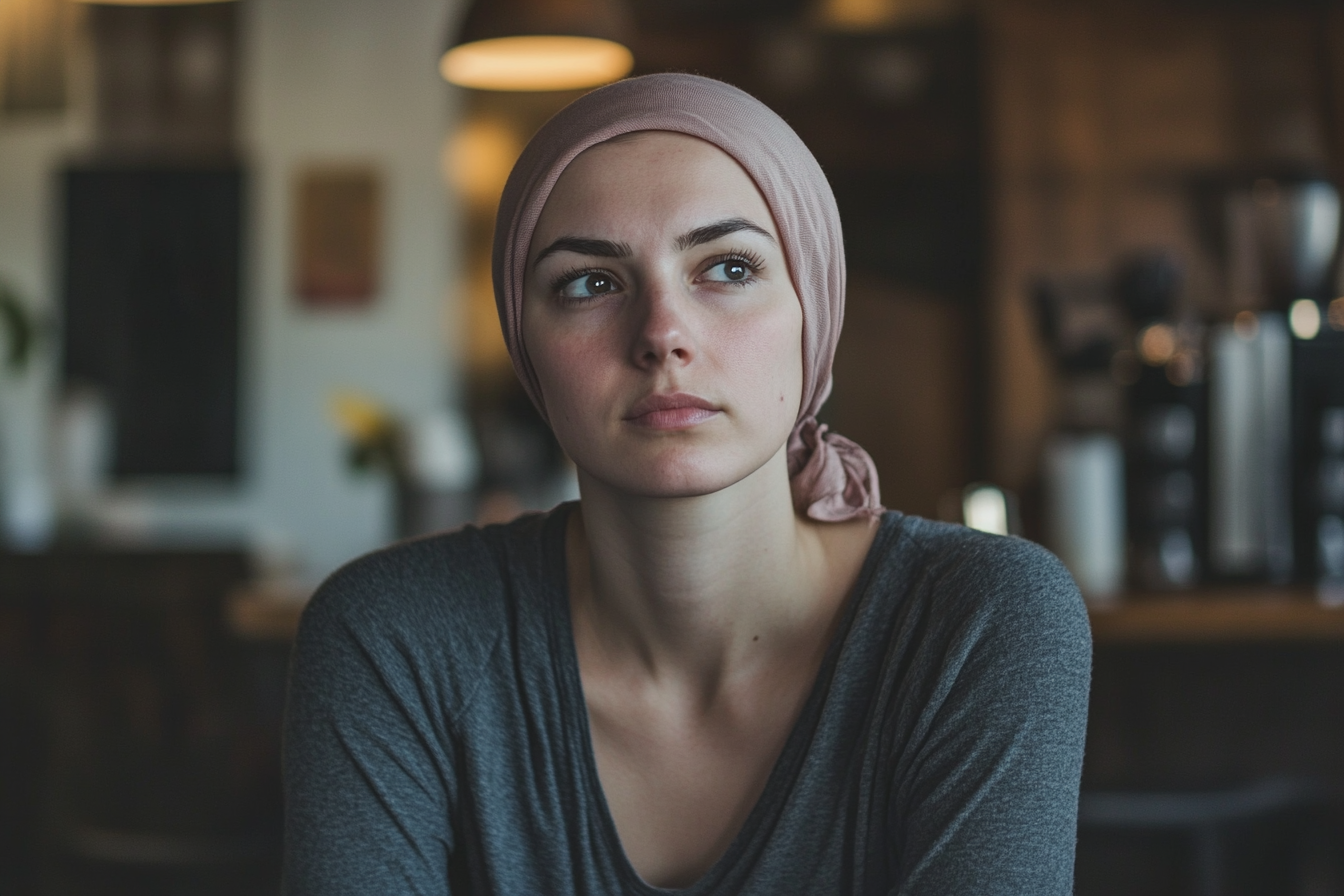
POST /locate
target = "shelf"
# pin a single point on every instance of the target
(1218, 616)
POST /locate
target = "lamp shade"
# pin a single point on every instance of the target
(539, 45)
(149, 2)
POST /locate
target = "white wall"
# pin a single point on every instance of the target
(343, 80)
(31, 149)
(322, 81)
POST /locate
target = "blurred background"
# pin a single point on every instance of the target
(247, 333)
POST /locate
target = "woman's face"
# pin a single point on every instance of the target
(660, 318)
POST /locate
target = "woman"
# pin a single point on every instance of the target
(725, 670)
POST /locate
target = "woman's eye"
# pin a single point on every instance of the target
(730, 271)
(586, 286)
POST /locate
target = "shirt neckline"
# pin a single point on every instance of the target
(787, 764)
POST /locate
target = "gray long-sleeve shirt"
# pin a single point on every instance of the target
(437, 739)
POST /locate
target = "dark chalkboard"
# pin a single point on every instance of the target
(151, 316)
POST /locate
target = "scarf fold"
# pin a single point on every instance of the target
(831, 478)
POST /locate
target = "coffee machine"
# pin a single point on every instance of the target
(1276, 378)
(1166, 436)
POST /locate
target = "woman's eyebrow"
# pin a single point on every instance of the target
(711, 232)
(585, 246)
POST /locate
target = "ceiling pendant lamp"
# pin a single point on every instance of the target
(150, 2)
(539, 45)
(34, 35)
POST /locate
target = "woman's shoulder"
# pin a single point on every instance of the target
(974, 629)
(974, 579)
(955, 547)
(451, 590)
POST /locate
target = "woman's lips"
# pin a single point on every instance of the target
(677, 410)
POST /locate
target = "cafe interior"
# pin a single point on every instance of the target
(247, 333)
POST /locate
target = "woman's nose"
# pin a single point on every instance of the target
(663, 329)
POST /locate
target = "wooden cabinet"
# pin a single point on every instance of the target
(136, 732)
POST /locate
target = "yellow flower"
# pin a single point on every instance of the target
(359, 418)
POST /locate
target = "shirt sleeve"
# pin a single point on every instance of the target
(985, 798)
(367, 759)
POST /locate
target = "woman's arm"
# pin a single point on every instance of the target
(986, 797)
(368, 778)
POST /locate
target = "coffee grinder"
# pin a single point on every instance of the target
(1166, 432)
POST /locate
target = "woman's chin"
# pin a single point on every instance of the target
(647, 484)
(675, 477)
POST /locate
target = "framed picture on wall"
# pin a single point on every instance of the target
(337, 236)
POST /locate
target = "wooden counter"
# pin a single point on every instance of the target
(271, 612)
(266, 611)
(1218, 616)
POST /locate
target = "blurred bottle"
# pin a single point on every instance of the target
(1085, 510)
(82, 450)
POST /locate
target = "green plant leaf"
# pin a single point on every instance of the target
(18, 329)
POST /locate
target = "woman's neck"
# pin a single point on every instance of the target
(702, 588)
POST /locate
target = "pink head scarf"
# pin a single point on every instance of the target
(831, 478)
